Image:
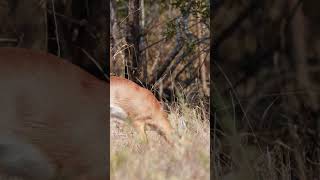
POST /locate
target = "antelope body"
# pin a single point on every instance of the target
(52, 119)
(131, 101)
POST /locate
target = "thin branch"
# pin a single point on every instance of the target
(82, 22)
(56, 27)
(235, 24)
(153, 44)
(9, 40)
(191, 60)
(95, 62)
(162, 69)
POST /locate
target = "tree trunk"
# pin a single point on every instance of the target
(133, 40)
(298, 52)
(118, 42)
(202, 62)
(144, 54)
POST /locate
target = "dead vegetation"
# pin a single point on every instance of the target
(131, 159)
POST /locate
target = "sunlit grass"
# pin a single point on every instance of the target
(157, 160)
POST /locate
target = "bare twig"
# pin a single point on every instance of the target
(82, 22)
(95, 62)
(56, 28)
(9, 40)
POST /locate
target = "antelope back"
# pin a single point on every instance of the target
(52, 118)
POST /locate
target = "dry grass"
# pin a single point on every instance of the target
(130, 159)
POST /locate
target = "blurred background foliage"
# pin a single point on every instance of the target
(266, 89)
(74, 30)
(163, 46)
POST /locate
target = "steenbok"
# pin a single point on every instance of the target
(129, 101)
(52, 119)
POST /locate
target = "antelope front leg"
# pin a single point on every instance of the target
(140, 127)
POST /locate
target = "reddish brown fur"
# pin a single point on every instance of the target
(55, 108)
(141, 106)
